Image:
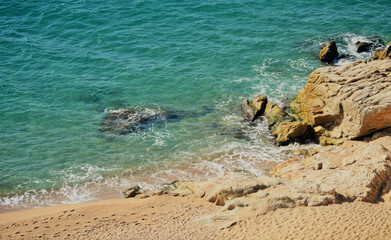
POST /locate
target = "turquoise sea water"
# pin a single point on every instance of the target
(65, 64)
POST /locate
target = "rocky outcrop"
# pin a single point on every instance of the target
(254, 108)
(354, 171)
(348, 101)
(383, 53)
(329, 52)
(363, 46)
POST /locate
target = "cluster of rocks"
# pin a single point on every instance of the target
(123, 121)
(278, 119)
(382, 53)
(329, 52)
(338, 103)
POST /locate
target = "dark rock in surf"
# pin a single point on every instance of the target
(364, 46)
(328, 52)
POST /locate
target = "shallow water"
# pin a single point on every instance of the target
(64, 65)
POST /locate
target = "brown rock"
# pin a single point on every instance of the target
(382, 54)
(288, 131)
(328, 52)
(132, 192)
(254, 108)
(274, 114)
(347, 101)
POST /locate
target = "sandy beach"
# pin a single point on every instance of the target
(168, 217)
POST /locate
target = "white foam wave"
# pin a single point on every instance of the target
(245, 79)
(262, 68)
(222, 155)
(347, 45)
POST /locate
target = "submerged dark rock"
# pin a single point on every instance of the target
(370, 44)
(364, 46)
(131, 120)
(127, 121)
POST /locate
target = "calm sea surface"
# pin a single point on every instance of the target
(65, 64)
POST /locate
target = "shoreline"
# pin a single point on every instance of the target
(333, 193)
(155, 180)
(169, 217)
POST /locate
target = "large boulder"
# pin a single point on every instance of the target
(254, 108)
(288, 131)
(328, 52)
(348, 101)
(382, 53)
(274, 115)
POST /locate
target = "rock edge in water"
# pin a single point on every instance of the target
(338, 103)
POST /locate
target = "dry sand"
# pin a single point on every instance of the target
(167, 217)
